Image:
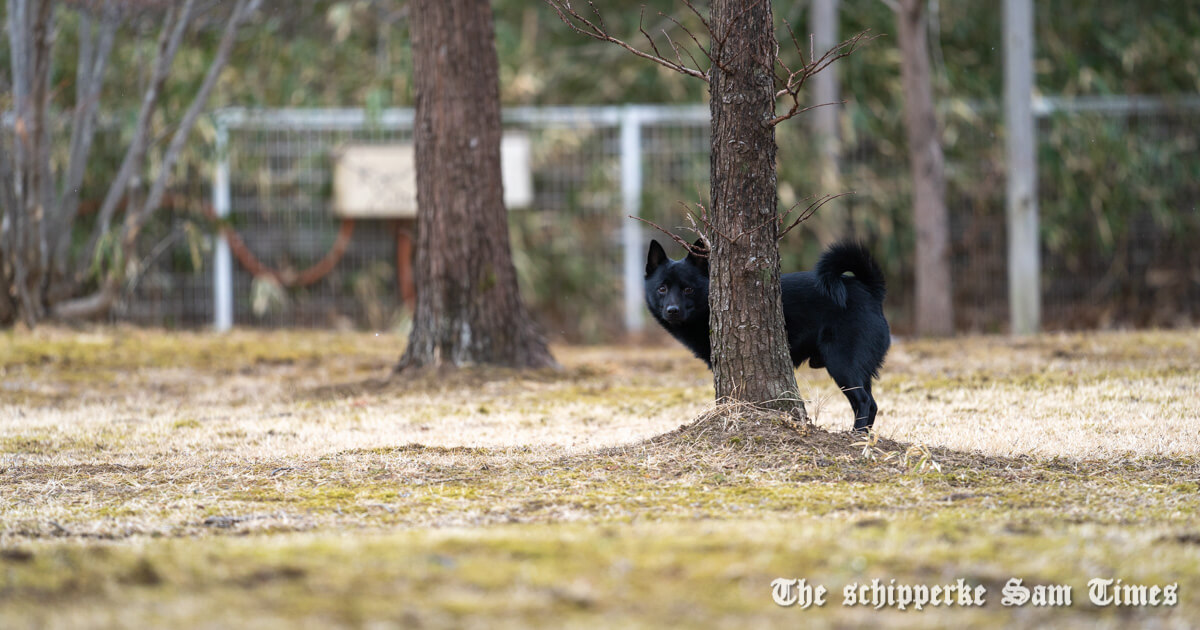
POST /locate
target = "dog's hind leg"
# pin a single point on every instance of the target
(857, 388)
(870, 421)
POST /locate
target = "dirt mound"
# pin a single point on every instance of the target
(744, 437)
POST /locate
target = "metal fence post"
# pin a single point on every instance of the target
(222, 262)
(826, 89)
(631, 230)
(1024, 286)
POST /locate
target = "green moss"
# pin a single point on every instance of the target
(186, 423)
(589, 574)
(26, 444)
(115, 511)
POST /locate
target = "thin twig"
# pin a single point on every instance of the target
(641, 17)
(808, 212)
(596, 30)
(693, 250)
(695, 228)
(691, 7)
(712, 228)
(690, 34)
(173, 28)
(796, 79)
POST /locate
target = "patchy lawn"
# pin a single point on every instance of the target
(275, 480)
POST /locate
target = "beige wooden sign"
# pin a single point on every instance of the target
(379, 181)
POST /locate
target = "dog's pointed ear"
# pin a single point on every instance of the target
(700, 262)
(655, 258)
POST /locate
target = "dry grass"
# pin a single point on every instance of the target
(519, 485)
(1099, 395)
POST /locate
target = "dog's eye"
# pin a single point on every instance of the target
(662, 289)
(687, 290)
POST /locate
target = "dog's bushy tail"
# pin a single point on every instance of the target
(852, 257)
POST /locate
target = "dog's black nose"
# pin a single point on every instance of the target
(672, 311)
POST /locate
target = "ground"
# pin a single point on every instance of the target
(278, 480)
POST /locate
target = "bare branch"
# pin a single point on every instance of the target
(700, 217)
(794, 111)
(690, 34)
(173, 29)
(90, 79)
(782, 64)
(691, 7)
(675, 47)
(808, 212)
(675, 237)
(758, 227)
(795, 42)
(596, 30)
(83, 75)
(90, 306)
(795, 79)
(189, 118)
(706, 219)
(696, 228)
(650, 40)
(136, 216)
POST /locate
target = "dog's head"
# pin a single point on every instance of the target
(677, 290)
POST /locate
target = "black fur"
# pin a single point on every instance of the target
(833, 321)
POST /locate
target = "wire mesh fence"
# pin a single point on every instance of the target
(1119, 185)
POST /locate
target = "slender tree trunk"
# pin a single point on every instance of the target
(170, 37)
(935, 310)
(22, 248)
(824, 17)
(38, 212)
(8, 206)
(468, 308)
(92, 61)
(749, 347)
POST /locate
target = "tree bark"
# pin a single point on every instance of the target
(750, 355)
(935, 310)
(468, 309)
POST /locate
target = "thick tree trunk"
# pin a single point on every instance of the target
(749, 347)
(935, 311)
(468, 308)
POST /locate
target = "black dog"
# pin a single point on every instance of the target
(833, 321)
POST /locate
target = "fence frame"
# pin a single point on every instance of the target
(629, 119)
